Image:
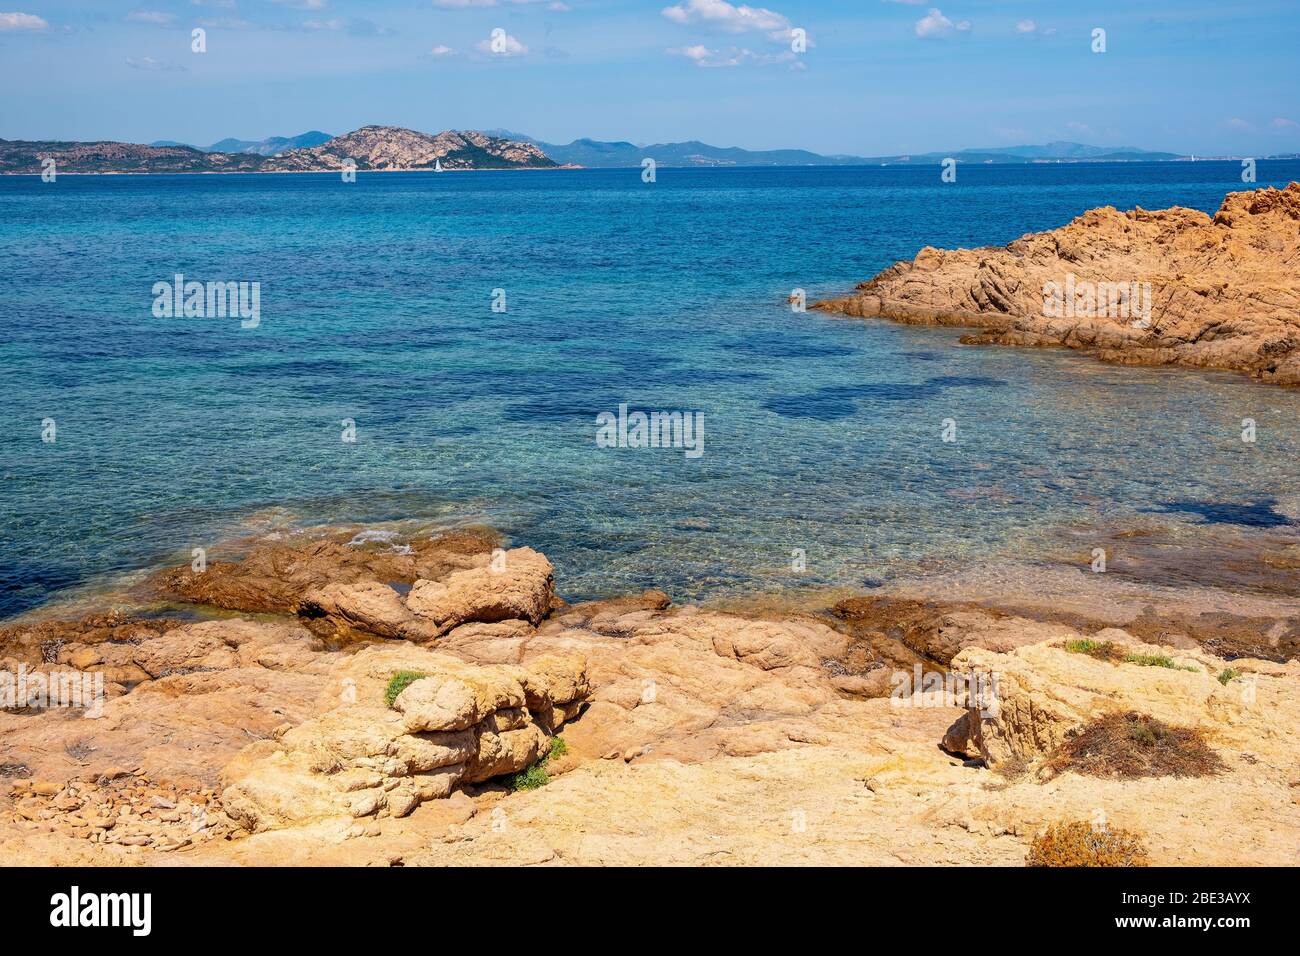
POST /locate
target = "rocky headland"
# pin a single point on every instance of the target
(1142, 287)
(428, 699)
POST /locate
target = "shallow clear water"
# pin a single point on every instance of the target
(820, 433)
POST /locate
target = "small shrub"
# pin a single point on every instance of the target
(1101, 650)
(1007, 773)
(1228, 675)
(1012, 767)
(399, 682)
(1078, 844)
(1135, 745)
(1110, 651)
(1158, 660)
(528, 779)
(536, 776)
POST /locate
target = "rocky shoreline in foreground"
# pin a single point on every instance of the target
(1143, 287)
(428, 699)
(413, 696)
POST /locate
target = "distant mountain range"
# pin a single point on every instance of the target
(394, 147)
(1047, 153)
(369, 148)
(605, 155)
(598, 154)
(271, 146)
(621, 153)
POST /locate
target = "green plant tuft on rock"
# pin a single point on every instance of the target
(1101, 650)
(1158, 660)
(529, 779)
(1114, 653)
(536, 775)
(399, 682)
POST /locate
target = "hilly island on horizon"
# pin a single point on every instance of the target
(850, 498)
(390, 148)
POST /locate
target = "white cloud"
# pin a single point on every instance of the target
(150, 16)
(934, 25)
(1076, 127)
(506, 45)
(149, 63)
(1238, 123)
(226, 23)
(356, 26)
(442, 50)
(1283, 123)
(721, 14)
(1031, 28)
(701, 55)
(21, 21)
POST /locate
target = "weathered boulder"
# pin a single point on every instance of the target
(688, 684)
(275, 575)
(501, 642)
(365, 607)
(517, 584)
(1032, 697)
(378, 585)
(506, 751)
(454, 723)
(456, 699)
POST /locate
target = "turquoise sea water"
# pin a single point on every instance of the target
(376, 306)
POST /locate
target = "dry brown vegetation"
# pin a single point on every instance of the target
(1079, 844)
(1136, 745)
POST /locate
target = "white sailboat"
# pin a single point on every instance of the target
(437, 165)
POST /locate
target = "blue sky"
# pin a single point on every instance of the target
(878, 76)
